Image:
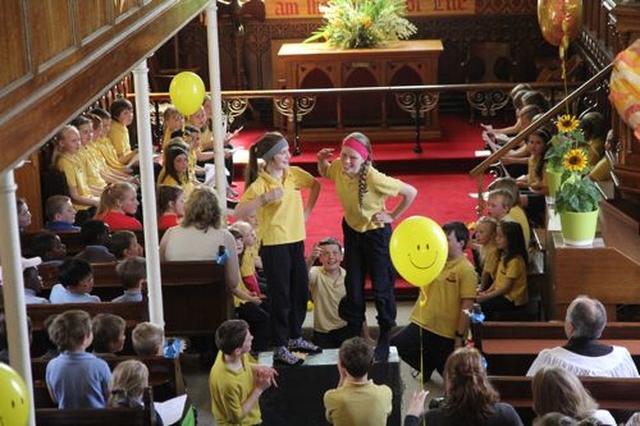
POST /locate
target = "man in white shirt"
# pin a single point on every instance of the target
(582, 354)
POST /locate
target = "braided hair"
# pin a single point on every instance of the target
(364, 168)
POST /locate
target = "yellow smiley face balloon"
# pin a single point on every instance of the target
(14, 398)
(418, 250)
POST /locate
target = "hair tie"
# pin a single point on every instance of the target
(357, 146)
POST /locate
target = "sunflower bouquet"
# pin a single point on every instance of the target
(568, 155)
(352, 24)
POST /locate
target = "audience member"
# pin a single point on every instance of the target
(32, 281)
(148, 339)
(583, 355)
(416, 408)
(124, 244)
(24, 215)
(95, 235)
(594, 127)
(104, 144)
(175, 169)
(439, 326)
(558, 390)
(249, 256)
(76, 282)
(503, 203)
(122, 116)
(326, 283)
(469, 397)
(108, 334)
(236, 383)
(118, 206)
(171, 200)
(129, 380)
(344, 406)
(60, 213)
(485, 239)
(75, 378)
(48, 247)
(172, 120)
(132, 272)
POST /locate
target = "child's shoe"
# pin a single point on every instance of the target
(301, 345)
(282, 356)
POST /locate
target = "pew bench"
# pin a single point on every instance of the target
(99, 417)
(619, 396)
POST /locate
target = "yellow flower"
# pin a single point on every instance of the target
(575, 160)
(567, 123)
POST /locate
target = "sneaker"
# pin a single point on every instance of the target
(282, 356)
(302, 345)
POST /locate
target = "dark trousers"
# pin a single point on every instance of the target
(258, 320)
(332, 339)
(435, 349)
(286, 272)
(368, 252)
(500, 303)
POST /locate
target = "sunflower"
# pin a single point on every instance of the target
(567, 123)
(575, 160)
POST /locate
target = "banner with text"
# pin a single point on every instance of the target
(288, 9)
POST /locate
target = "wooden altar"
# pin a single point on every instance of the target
(317, 65)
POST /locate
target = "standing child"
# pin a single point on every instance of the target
(326, 283)
(509, 289)
(170, 205)
(345, 405)
(274, 191)
(75, 378)
(118, 206)
(363, 192)
(235, 382)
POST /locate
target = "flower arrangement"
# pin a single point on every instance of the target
(354, 24)
(568, 154)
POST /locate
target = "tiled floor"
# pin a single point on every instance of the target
(197, 379)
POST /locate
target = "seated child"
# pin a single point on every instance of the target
(61, 215)
(248, 259)
(76, 282)
(235, 382)
(24, 215)
(344, 405)
(124, 244)
(95, 235)
(129, 380)
(48, 247)
(133, 275)
(326, 284)
(108, 334)
(32, 281)
(75, 378)
(170, 200)
(118, 206)
(501, 206)
(485, 238)
(148, 339)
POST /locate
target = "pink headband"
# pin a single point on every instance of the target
(357, 146)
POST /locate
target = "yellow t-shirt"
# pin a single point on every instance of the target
(119, 137)
(165, 179)
(490, 259)
(326, 293)
(516, 214)
(532, 177)
(229, 390)
(601, 172)
(236, 300)
(91, 168)
(358, 403)
(440, 313)
(596, 150)
(379, 188)
(74, 174)
(282, 221)
(109, 153)
(248, 266)
(516, 269)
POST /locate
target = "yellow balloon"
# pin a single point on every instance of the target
(14, 402)
(187, 92)
(418, 250)
(553, 15)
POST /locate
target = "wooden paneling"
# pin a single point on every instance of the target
(122, 7)
(92, 15)
(12, 43)
(51, 29)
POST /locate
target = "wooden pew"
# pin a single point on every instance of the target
(99, 417)
(165, 377)
(71, 239)
(195, 296)
(619, 396)
(510, 348)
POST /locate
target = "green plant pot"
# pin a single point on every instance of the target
(579, 229)
(553, 182)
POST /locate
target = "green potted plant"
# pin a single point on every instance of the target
(569, 137)
(356, 24)
(577, 198)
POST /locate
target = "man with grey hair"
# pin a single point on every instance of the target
(583, 355)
